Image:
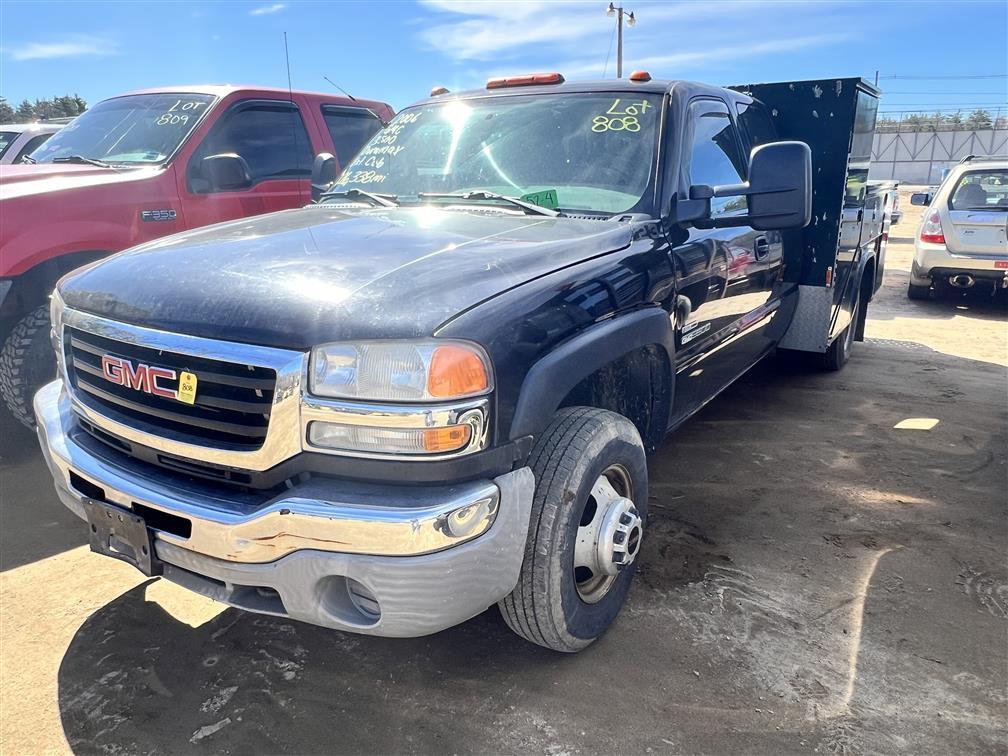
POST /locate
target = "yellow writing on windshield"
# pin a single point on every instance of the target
(621, 117)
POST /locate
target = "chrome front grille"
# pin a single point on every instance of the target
(246, 414)
(232, 404)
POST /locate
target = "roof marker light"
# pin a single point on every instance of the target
(640, 76)
(438, 91)
(528, 80)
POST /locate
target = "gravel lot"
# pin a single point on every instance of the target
(812, 580)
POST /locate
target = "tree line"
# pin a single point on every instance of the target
(57, 107)
(943, 121)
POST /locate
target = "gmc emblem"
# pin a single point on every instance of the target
(137, 377)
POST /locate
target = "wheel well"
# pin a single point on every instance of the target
(31, 288)
(636, 386)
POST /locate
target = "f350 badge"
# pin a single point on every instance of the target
(158, 215)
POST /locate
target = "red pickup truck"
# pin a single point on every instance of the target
(144, 165)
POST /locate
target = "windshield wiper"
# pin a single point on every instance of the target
(81, 160)
(379, 200)
(28, 159)
(528, 207)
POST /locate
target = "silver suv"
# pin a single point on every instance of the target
(20, 139)
(962, 241)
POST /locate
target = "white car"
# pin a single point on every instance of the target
(962, 242)
(20, 139)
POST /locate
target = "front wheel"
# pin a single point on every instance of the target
(27, 363)
(585, 532)
(918, 292)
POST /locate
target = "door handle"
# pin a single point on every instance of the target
(761, 247)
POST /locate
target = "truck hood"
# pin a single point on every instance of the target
(303, 277)
(25, 180)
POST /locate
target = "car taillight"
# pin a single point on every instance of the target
(931, 230)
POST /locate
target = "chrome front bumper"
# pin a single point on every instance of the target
(430, 556)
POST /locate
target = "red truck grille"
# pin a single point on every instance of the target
(232, 403)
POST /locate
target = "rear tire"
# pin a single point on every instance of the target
(27, 363)
(918, 292)
(838, 353)
(581, 459)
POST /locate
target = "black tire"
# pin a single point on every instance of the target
(573, 452)
(27, 363)
(918, 292)
(838, 353)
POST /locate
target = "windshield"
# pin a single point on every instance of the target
(137, 129)
(981, 190)
(6, 138)
(594, 151)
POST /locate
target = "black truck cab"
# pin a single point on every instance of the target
(434, 389)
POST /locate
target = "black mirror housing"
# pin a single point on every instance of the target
(323, 174)
(778, 192)
(920, 198)
(780, 186)
(227, 172)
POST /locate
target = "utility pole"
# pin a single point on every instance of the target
(630, 21)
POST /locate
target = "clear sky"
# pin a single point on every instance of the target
(397, 50)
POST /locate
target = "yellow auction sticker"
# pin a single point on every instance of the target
(187, 388)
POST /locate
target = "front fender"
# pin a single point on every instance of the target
(553, 377)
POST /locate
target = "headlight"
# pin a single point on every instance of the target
(406, 431)
(400, 441)
(400, 371)
(407, 399)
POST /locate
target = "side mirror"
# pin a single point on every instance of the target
(920, 198)
(226, 172)
(323, 174)
(778, 192)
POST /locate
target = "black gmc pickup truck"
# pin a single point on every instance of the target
(434, 389)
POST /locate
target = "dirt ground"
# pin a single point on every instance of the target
(812, 580)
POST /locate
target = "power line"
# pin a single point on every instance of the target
(611, 38)
(946, 78)
(931, 111)
(949, 92)
(952, 105)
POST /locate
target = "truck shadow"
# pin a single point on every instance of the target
(33, 523)
(137, 678)
(16, 441)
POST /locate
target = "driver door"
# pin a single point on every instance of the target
(725, 276)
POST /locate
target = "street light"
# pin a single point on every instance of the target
(630, 21)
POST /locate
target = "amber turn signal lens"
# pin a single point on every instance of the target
(446, 439)
(456, 371)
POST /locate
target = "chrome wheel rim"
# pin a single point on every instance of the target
(608, 536)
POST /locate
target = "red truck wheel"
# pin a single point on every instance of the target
(26, 363)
